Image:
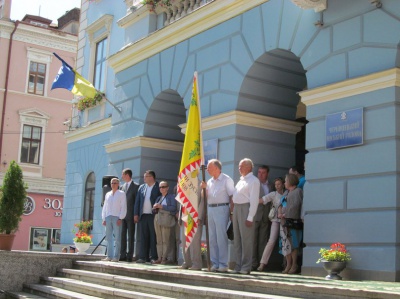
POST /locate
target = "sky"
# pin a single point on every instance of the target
(49, 9)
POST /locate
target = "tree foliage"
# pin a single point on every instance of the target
(12, 199)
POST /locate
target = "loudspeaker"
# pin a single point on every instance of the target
(106, 183)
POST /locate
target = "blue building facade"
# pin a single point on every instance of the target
(266, 68)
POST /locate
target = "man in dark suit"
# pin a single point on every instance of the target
(145, 199)
(128, 225)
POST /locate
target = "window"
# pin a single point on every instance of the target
(100, 64)
(41, 238)
(88, 206)
(30, 148)
(37, 76)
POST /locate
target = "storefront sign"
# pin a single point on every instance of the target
(54, 204)
(29, 206)
(344, 129)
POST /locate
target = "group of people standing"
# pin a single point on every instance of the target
(247, 205)
(151, 208)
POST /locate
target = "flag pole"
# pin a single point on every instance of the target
(119, 109)
(103, 96)
(203, 170)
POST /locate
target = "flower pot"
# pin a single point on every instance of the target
(334, 268)
(6, 241)
(82, 247)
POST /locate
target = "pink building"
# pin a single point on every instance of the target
(32, 117)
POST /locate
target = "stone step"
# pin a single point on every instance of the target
(176, 290)
(22, 295)
(49, 291)
(295, 286)
(96, 289)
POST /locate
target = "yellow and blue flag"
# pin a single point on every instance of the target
(68, 78)
(192, 158)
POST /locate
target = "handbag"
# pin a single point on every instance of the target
(272, 213)
(164, 218)
(293, 223)
(229, 231)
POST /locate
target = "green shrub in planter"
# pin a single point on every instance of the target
(12, 199)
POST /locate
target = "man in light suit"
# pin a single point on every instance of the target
(145, 200)
(128, 225)
(262, 224)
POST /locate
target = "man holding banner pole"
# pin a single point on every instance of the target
(188, 191)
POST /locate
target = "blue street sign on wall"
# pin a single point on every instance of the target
(344, 129)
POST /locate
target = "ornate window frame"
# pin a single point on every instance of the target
(40, 56)
(37, 118)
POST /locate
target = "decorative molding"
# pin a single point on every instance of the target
(34, 117)
(200, 20)
(39, 55)
(249, 120)
(140, 141)
(90, 130)
(134, 15)
(351, 87)
(317, 5)
(105, 21)
(42, 185)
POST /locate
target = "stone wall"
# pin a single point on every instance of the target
(19, 267)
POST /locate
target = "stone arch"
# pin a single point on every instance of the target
(271, 85)
(165, 115)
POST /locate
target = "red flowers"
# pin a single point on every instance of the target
(337, 253)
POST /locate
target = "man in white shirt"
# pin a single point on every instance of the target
(219, 199)
(245, 200)
(114, 210)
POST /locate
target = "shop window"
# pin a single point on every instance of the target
(30, 146)
(37, 78)
(41, 238)
(88, 206)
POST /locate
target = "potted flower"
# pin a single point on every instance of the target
(84, 226)
(85, 102)
(82, 240)
(334, 260)
(12, 200)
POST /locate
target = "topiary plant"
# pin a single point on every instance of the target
(12, 199)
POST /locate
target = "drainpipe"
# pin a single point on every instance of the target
(3, 112)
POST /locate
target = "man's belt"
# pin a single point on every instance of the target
(213, 205)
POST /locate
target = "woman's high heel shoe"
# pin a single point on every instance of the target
(261, 268)
(287, 269)
(293, 270)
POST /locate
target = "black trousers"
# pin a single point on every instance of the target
(148, 250)
(127, 238)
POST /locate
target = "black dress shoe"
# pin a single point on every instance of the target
(123, 259)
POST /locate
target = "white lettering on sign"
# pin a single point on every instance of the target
(54, 204)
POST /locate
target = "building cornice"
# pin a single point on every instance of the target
(33, 35)
(90, 130)
(351, 87)
(249, 120)
(148, 142)
(317, 5)
(42, 185)
(208, 16)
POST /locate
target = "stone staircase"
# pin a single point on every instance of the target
(97, 279)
